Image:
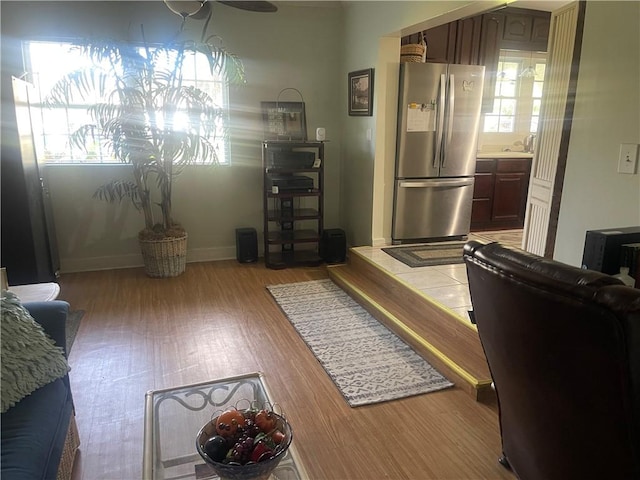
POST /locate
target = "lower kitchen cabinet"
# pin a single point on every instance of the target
(500, 193)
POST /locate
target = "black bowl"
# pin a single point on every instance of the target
(252, 470)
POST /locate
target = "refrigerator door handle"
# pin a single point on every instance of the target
(440, 124)
(450, 106)
(438, 183)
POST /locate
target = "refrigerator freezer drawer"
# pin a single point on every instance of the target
(432, 209)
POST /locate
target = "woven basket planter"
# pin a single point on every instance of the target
(164, 258)
(412, 52)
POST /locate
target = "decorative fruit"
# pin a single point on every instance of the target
(265, 420)
(216, 448)
(277, 437)
(261, 452)
(250, 427)
(228, 422)
(241, 451)
(247, 436)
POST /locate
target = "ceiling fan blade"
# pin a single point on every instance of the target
(252, 6)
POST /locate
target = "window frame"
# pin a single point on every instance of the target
(43, 138)
(524, 115)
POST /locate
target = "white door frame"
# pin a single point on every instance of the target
(556, 116)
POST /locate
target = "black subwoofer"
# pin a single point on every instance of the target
(246, 245)
(333, 247)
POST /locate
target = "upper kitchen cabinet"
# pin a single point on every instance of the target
(441, 43)
(455, 42)
(468, 31)
(469, 41)
(489, 53)
(509, 28)
(525, 30)
(478, 40)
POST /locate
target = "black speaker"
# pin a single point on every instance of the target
(246, 245)
(333, 248)
(603, 248)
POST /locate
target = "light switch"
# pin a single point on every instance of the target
(628, 160)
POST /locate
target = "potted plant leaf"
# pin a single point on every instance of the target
(151, 119)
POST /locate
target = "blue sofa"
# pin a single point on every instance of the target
(39, 436)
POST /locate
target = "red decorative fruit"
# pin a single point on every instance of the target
(277, 437)
(259, 451)
(265, 420)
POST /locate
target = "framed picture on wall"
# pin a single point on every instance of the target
(284, 121)
(361, 93)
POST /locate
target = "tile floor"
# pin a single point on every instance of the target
(447, 284)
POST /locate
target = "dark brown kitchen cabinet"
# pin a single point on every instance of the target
(540, 33)
(456, 42)
(483, 193)
(500, 193)
(467, 51)
(441, 43)
(478, 40)
(517, 28)
(489, 54)
(469, 41)
(526, 30)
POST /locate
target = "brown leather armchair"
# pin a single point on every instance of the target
(563, 347)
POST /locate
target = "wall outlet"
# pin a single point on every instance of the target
(628, 160)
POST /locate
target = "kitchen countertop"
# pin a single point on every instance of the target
(504, 155)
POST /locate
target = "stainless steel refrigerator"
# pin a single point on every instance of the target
(438, 120)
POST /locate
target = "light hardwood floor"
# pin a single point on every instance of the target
(218, 320)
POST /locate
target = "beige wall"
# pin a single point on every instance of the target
(312, 47)
(607, 113)
(300, 47)
(372, 33)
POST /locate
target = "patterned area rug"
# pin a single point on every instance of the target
(428, 254)
(367, 362)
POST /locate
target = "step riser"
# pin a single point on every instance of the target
(436, 333)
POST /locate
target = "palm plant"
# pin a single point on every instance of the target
(147, 117)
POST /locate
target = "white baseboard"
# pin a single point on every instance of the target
(211, 254)
(381, 242)
(89, 264)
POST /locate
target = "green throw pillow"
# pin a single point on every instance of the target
(30, 358)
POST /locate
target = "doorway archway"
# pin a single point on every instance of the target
(543, 231)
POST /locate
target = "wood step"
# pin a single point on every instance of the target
(447, 341)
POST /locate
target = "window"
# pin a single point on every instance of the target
(538, 81)
(49, 61)
(518, 93)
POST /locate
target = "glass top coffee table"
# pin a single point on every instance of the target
(173, 417)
